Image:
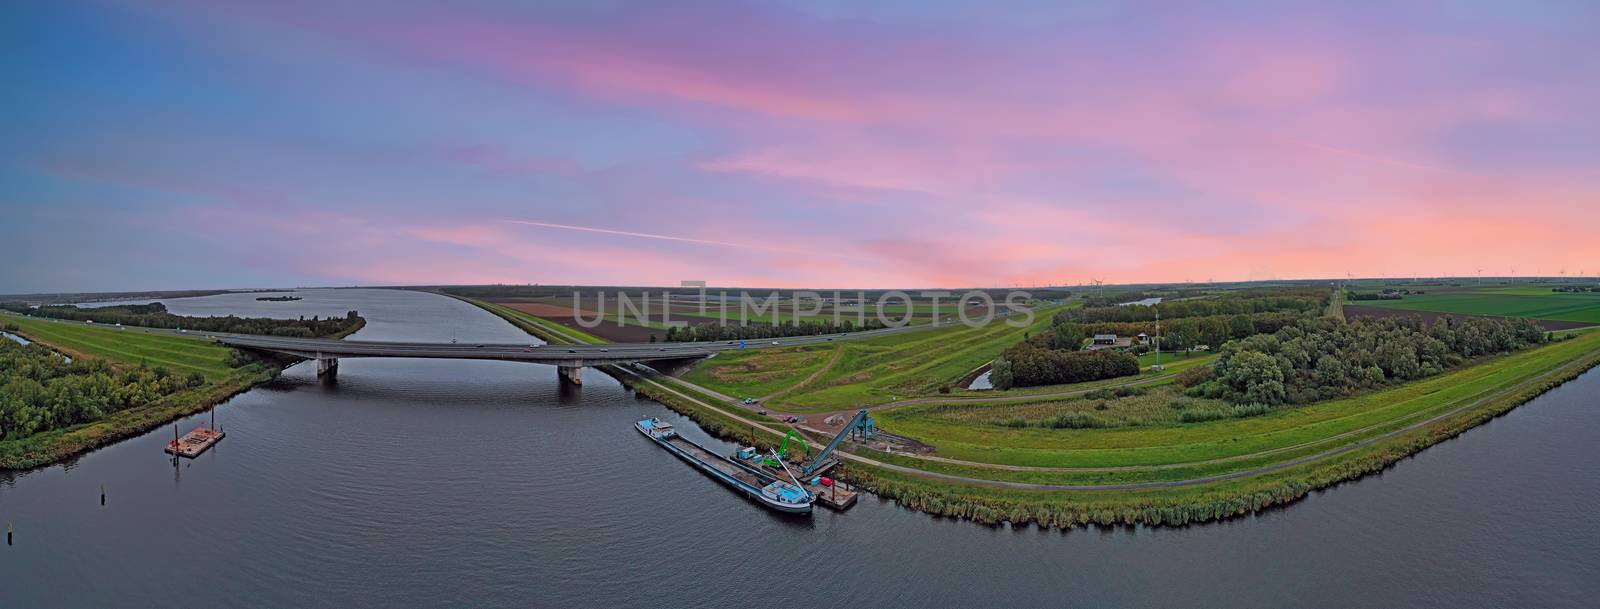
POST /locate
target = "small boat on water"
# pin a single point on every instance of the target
(751, 480)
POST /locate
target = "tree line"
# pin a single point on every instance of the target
(718, 332)
(1285, 300)
(41, 391)
(1031, 363)
(155, 315)
(1319, 359)
(1178, 334)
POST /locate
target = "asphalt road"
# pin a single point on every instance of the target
(586, 354)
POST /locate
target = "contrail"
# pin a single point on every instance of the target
(1367, 157)
(607, 231)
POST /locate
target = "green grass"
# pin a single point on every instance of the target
(1139, 406)
(1492, 387)
(129, 346)
(759, 376)
(1354, 418)
(1534, 303)
(869, 371)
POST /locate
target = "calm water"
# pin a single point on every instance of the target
(418, 483)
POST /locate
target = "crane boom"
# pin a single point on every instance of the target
(862, 421)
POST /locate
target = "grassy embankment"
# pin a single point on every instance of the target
(1490, 388)
(1530, 302)
(129, 347)
(1287, 429)
(871, 371)
(1499, 386)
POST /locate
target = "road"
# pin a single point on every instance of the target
(587, 355)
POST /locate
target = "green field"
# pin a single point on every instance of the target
(1282, 433)
(871, 371)
(129, 347)
(1524, 301)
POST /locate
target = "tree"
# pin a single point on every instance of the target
(1255, 377)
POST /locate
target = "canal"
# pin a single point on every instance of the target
(433, 483)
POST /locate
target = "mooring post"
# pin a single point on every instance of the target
(102, 494)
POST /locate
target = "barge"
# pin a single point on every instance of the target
(755, 482)
(194, 442)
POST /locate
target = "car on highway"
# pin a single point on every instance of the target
(749, 400)
(791, 419)
(572, 350)
(774, 342)
(527, 350)
(605, 350)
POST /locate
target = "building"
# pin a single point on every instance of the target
(1109, 341)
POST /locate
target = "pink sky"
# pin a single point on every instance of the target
(792, 146)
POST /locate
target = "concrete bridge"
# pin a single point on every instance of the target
(568, 359)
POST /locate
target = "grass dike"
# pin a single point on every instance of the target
(122, 347)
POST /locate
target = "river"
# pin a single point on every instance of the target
(424, 483)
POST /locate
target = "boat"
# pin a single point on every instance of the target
(755, 482)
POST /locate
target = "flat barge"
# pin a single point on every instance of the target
(755, 482)
(194, 442)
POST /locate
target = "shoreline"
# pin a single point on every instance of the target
(1178, 503)
(51, 447)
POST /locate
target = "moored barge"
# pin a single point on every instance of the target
(754, 482)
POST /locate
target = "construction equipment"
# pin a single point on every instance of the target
(861, 423)
(783, 450)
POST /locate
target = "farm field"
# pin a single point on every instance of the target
(559, 309)
(1529, 302)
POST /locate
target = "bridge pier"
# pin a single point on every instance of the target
(571, 374)
(327, 366)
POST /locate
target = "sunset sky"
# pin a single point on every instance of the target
(164, 145)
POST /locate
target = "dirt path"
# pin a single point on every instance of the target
(838, 352)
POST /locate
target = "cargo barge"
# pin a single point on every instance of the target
(754, 482)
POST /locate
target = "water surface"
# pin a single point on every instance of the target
(420, 483)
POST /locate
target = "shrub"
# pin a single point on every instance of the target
(1195, 376)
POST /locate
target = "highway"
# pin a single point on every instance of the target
(571, 355)
(588, 355)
